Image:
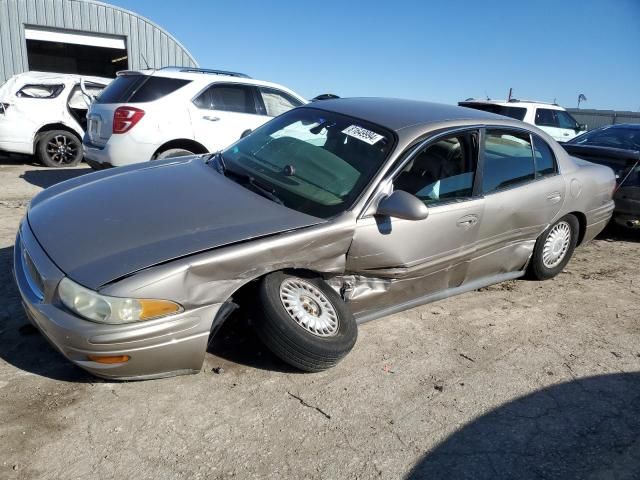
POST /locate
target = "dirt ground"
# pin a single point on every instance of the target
(519, 380)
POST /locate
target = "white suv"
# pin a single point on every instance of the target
(551, 118)
(45, 113)
(170, 112)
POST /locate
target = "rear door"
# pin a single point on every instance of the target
(222, 112)
(523, 192)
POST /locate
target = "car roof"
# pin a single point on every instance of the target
(396, 114)
(50, 77)
(205, 77)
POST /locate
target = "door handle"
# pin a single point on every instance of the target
(210, 118)
(467, 221)
(565, 134)
(554, 197)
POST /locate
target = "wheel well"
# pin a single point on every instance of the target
(582, 222)
(245, 296)
(50, 127)
(185, 143)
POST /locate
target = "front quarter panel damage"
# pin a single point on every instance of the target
(212, 277)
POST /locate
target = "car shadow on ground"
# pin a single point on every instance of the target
(18, 159)
(586, 428)
(49, 177)
(616, 233)
(237, 343)
(21, 345)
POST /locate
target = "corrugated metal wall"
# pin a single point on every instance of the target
(600, 118)
(143, 37)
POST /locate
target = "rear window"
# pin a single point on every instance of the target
(139, 88)
(514, 112)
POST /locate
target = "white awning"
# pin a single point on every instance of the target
(60, 36)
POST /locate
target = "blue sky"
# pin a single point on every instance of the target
(442, 51)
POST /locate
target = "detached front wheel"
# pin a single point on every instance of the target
(59, 148)
(554, 248)
(304, 322)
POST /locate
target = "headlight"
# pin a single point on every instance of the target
(100, 308)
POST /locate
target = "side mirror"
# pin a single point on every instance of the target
(245, 133)
(582, 127)
(402, 205)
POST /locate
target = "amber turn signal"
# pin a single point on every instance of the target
(109, 360)
(157, 308)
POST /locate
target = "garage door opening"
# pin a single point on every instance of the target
(66, 52)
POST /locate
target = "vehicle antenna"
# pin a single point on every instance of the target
(145, 61)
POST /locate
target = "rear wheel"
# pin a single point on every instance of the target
(304, 321)
(59, 148)
(173, 153)
(554, 248)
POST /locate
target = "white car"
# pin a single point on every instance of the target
(45, 114)
(171, 112)
(551, 118)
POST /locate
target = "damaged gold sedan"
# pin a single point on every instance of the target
(330, 215)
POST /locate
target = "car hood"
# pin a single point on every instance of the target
(102, 226)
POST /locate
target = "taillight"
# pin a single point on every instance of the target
(125, 118)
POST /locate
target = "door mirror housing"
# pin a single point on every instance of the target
(403, 205)
(582, 127)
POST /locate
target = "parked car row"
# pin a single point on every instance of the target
(332, 214)
(140, 116)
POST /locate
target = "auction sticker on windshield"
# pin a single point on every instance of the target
(362, 134)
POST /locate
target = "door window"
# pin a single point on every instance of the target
(508, 160)
(566, 121)
(443, 172)
(277, 102)
(545, 160)
(546, 117)
(228, 98)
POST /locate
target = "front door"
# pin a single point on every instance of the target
(223, 112)
(411, 259)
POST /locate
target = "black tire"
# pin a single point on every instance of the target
(173, 153)
(538, 268)
(293, 343)
(59, 149)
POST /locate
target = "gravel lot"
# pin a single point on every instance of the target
(519, 380)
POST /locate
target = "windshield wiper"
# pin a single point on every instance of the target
(220, 166)
(256, 185)
(247, 179)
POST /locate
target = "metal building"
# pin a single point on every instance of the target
(82, 36)
(599, 118)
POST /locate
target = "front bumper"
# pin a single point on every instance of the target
(157, 348)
